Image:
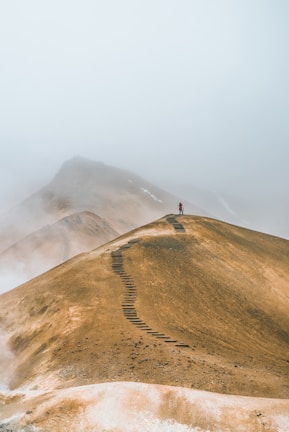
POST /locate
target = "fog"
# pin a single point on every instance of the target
(194, 92)
(6, 358)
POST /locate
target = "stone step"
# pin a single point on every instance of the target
(129, 298)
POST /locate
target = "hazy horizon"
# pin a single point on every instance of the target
(191, 92)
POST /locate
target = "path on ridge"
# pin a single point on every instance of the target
(129, 298)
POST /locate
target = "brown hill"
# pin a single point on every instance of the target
(188, 302)
(184, 301)
(54, 244)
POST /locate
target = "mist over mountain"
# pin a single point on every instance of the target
(120, 196)
(86, 204)
(126, 316)
(51, 245)
(264, 212)
(118, 200)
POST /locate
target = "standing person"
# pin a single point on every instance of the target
(181, 208)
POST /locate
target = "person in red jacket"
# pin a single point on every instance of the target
(181, 208)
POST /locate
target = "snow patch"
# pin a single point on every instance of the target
(6, 358)
(146, 191)
(281, 423)
(108, 416)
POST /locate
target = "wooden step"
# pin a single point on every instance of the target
(182, 345)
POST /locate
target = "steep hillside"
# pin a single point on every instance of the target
(185, 302)
(54, 244)
(199, 304)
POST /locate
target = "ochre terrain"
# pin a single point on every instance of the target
(216, 296)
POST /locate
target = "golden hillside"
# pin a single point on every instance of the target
(186, 301)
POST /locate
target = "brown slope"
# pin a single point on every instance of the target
(220, 289)
(55, 243)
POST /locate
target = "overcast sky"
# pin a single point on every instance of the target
(192, 91)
